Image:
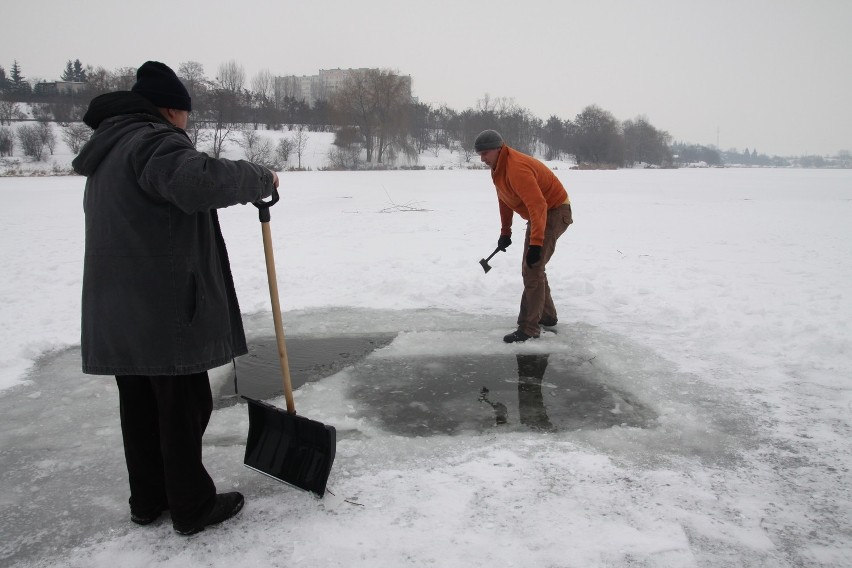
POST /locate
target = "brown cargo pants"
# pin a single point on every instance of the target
(536, 303)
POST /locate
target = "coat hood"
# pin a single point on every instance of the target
(109, 115)
(116, 104)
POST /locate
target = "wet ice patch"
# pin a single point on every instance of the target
(583, 382)
(419, 396)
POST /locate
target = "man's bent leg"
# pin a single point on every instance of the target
(533, 298)
(536, 301)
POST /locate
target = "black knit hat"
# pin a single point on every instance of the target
(488, 140)
(158, 83)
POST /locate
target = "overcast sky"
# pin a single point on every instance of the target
(771, 75)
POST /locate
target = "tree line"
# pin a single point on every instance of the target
(375, 119)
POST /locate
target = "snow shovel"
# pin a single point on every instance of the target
(280, 444)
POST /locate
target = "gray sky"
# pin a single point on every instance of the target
(767, 74)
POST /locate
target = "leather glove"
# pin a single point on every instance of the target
(503, 242)
(533, 255)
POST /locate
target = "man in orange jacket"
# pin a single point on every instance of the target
(529, 188)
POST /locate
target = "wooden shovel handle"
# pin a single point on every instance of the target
(276, 316)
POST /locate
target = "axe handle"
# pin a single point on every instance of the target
(493, 253)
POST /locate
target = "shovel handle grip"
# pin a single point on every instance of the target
(263, 206)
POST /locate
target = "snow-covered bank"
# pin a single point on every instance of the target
(718, 297)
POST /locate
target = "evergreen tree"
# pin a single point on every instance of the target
(68, 74)
(15, 74)
(79, 71)
(74, 71)
(4, 82)
(17, 84)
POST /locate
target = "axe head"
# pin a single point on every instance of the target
(485, 265)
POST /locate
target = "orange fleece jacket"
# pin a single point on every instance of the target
(527, 187)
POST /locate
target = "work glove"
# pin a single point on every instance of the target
(503, 242)
(533, 255)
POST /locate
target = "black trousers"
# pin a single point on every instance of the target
(163, 419)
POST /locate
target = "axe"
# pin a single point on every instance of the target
(484, 261)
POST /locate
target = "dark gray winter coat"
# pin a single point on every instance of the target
(158, 296)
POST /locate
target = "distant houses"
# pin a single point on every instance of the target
(60, 88)
(320, 87)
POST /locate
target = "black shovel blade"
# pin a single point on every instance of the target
(289, 448)
(485, 266)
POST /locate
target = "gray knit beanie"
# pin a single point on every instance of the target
(488, 140)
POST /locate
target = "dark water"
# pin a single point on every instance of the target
(423, 396)
(258, 373)
(464, 394)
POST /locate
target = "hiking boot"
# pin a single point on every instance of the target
(516, 336)
(547, 322)
(226, 506)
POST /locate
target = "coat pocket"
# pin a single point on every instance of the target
(567, 218)
(190, 305)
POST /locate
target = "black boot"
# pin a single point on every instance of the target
(516, 336)
(226, 506)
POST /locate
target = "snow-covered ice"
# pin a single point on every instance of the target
(717, 299)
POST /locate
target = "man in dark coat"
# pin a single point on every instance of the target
(159, 305)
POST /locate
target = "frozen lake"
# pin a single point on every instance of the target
(691, 410)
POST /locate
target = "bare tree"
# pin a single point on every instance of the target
(7, 141)
(485, 104)
(46, 135)
(644, 143)
(300, 142)
(75, 135)
(262, 84)
(98, 80)
(258, 149)
(354, 105)
(392, 94)
(196, 133)
(9, 111)
(192, 74)
(465, 153)
(222, 112)
(282, 151)
(597, 137)
(222, 133)
(286, 87)
(555, 137)
(345, 157)
(231, 77)
(377, 102)
(263, 98)
(123, 78)
(280, 92)
(519, 125)
(31, 142)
